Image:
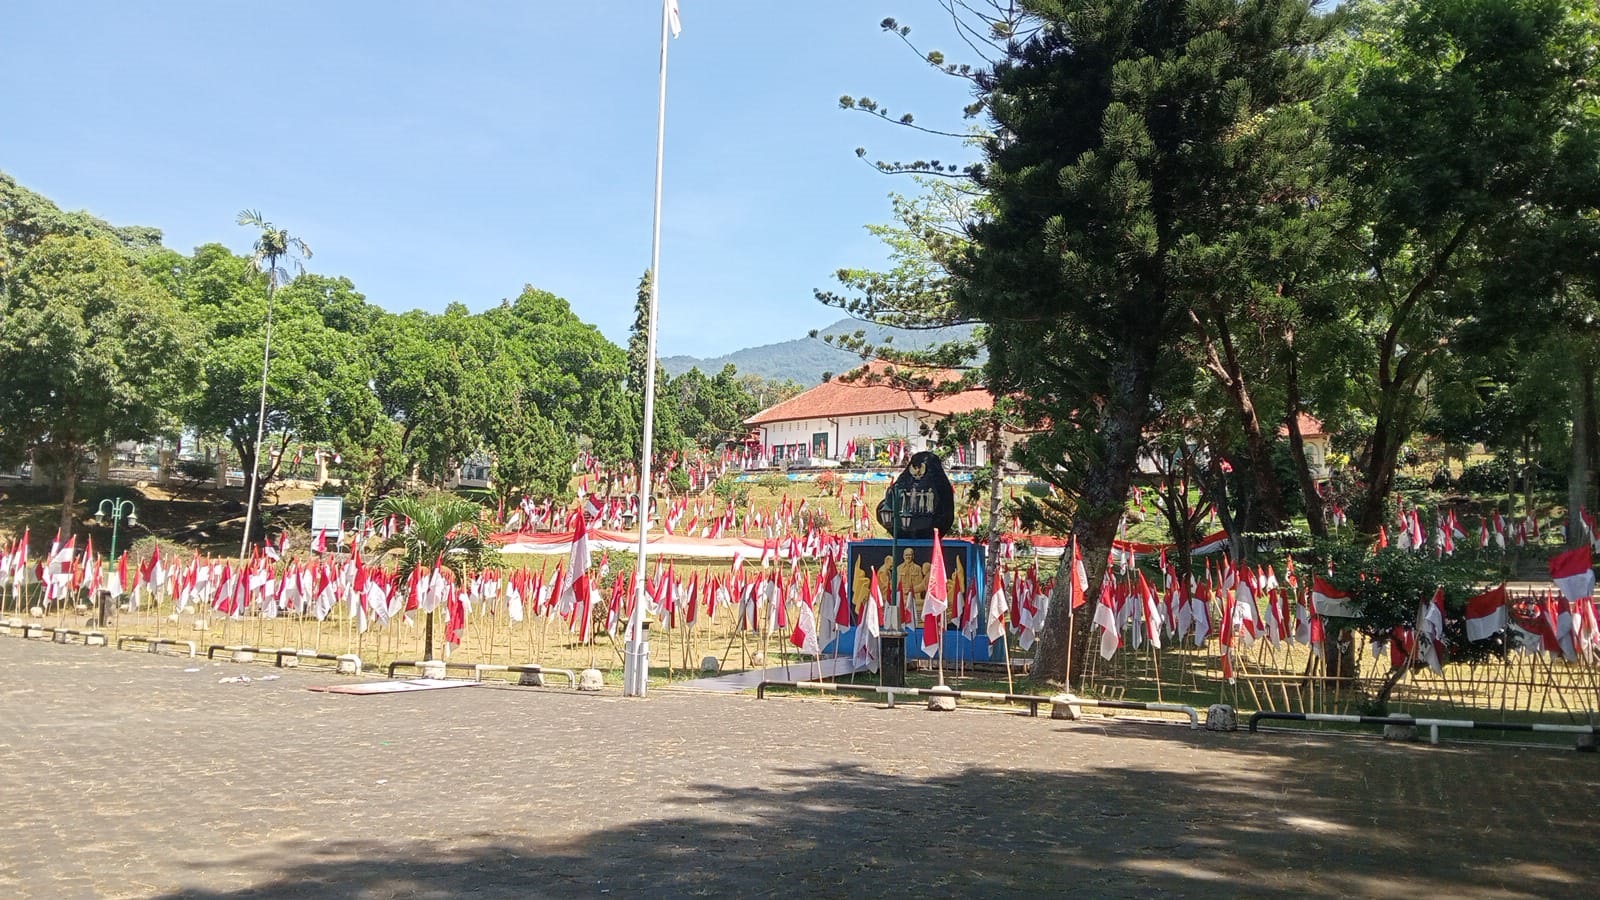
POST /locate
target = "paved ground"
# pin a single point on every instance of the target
(122, 774)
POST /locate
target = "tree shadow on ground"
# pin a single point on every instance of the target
(1277, 818)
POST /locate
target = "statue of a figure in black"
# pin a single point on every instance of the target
(927, 501)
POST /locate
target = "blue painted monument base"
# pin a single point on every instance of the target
(957, 647)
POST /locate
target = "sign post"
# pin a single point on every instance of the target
(327, 516)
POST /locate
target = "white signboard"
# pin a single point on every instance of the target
(326, 514)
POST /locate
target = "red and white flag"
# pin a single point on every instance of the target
(936, 601)
(804, 635)
(1327, 600)
(1431, 648)
(1573, 572)
(865, 654)
(575, 586)
(1486, 614)
(1106, 618)
(998, 608)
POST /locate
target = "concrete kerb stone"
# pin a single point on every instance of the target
(942, 699)
(1221, 717)
(1065, 706)
(591, 680)
(348, 664)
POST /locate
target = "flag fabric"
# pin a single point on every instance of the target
(866, 651)
(1486, 614)
(804, 635)
(1573, 572)
(935, 601)
(1327, 600)
(1431, 632)
(674, 22)
(998, 608)
(575, 591)
(1106, 618)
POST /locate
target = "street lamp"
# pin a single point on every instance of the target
(117, 509)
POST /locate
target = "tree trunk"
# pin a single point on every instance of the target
(1268, 497)
(1315, 522)
(1064, 642)
(69, 493)
(1382, 455)
(1578, 477)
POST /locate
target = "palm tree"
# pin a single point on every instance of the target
(440, 529)
(272, 247)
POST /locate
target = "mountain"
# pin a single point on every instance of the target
(805, 359)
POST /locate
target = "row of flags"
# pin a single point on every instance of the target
(1240, 604)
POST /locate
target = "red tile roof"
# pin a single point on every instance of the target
(838, 397)
(1309, 427)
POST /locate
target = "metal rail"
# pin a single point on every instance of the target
(1032, 700)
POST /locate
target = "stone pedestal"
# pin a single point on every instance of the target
(1221, 717)
(943, 699)
(710, 666)
(531, 679)
(244, 656)
(349, 664)
(1065, 706)
(591, 680)
(1400, 732)
(433, 668)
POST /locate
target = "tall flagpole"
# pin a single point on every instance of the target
(635, 685)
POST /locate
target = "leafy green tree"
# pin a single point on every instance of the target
(1453, 127)
(440, 529)
(1115, 174)
(441, 378)
(91, 353)
(712, 410)
(667, 435)
(531, 456)
(26, 218)
(1387, 588)
(318, 386)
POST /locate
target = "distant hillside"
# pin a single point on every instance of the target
(803, 360)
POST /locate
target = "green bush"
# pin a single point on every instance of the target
(197, 469)
(678, 480)
(1492, 477)
(730, 490)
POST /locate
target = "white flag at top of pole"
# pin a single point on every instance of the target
(673, 22)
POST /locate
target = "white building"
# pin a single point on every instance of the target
(854, 419)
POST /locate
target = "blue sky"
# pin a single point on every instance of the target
(454, 151)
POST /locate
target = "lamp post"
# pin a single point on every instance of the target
(117, 509)
(892, 642)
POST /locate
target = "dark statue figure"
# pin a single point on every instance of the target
(927, 500)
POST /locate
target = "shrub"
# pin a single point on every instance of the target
(678, 480)
(197, 469)
(1491, 477)
(730, 490)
